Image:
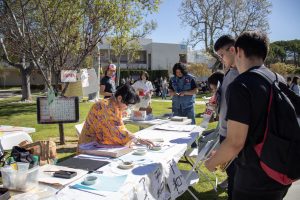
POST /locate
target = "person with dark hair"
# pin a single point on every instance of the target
(183, 89)
(247, 100)
(107, 84)
(295, 85)
(214, 81)
(144, 89)
(288, 81)
(224, 48)
(104, 122)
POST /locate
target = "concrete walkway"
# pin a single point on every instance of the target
(167, 100)
(294, 192)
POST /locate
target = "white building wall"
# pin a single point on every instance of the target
(165, 55)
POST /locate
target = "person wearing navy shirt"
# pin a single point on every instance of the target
(183, 89)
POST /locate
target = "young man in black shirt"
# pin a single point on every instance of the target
(247, 99)
(107, 84)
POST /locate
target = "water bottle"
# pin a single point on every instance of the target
(206, 116)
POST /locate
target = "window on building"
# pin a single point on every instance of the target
(182, 58)
(104, 56)
(140, 57)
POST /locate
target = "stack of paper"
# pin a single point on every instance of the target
(178, 118)
(175, 127)
(94, 148)
(46, 175)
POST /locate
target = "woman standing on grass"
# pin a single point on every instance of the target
(144, 89)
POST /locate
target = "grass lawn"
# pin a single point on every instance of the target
(24, 114)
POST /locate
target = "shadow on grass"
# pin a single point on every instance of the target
(211, 194)
(67, 150)
(66, 157)
(16, 108)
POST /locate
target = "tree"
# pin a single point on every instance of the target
(130, 28)
(13, 31)
(206, 18)
(282, 68)
(285, 52)
(199, 70)
(209, 19)
(248, 15)
(276, 54)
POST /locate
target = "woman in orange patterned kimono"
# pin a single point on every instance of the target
(104, 122)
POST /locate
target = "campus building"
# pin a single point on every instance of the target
(151, 56)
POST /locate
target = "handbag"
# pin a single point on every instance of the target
(45, 149)
(21, 155)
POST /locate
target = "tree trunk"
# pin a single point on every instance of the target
(26, 92)
(119, 71)
(205, 37)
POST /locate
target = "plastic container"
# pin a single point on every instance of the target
(138, 115)
(20, 180)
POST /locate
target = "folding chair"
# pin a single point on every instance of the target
(192, 176)
(78, 128)
(206, 136)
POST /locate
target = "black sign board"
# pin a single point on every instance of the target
(61, 110)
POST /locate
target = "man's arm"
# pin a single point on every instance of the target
(194, 89)
(102, 91)
(189, 93)
(231, 146)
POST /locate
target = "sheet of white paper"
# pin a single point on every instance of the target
(175, 127)
(47, 177)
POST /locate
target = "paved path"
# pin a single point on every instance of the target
(167, 100)
(294, 192)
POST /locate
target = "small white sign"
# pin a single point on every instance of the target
(142, 191)
(90, 83)
(176, 182)
(68, 76)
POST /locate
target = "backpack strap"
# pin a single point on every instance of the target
(266, 74)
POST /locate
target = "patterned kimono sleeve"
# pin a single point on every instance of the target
(88, 133)
(119, 134)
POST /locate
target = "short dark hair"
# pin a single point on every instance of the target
(128, 94)
(223, 41)
(254, 44)
(215, 78)
(295, 79)
(146, 75)
(289, 78)
(181, 67)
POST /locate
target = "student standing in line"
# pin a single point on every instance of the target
(247, 100)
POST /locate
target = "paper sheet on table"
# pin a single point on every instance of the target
(103, 183)
(175, 127)
(46, 177)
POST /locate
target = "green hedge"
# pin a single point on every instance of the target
(152, 73)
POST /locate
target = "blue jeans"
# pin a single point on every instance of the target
(164, 93)
(187, 112)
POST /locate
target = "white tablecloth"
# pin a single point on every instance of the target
(150, 171)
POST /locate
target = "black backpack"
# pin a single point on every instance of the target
(279, 152)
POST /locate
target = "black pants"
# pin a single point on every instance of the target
(230, 171)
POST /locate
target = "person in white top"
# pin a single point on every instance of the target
(144, 89)
(295, 86)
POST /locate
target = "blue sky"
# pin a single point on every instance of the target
(284, 22)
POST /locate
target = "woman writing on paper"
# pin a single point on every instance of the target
(104, 122)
